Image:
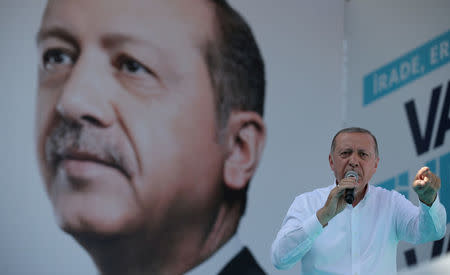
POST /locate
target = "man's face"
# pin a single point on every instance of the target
(126, 123)
(354, 151)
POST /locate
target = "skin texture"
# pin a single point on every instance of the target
(127, 138)
(356, 152)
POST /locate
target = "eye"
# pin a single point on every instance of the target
(363, 155)
(345, 154)
(130, 66)
(134, 75)
(53, 58)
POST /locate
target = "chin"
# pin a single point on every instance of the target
(94, 217)
(104, 205)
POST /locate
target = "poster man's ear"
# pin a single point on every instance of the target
(245, 140)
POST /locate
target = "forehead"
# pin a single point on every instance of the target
(359, 141)
(168, 22)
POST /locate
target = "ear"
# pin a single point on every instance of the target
(245, 139)
(330, 160)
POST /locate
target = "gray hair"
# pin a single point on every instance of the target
(235, 64)
(354, 130)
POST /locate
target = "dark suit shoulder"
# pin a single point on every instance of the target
(242, 263)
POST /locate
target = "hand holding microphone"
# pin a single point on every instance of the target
(349, 194)
(337, 199)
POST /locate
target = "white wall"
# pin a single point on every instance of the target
(301, 41)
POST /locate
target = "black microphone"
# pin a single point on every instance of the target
(349, 196)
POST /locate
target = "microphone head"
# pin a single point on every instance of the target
(349, 197)
(351, 174)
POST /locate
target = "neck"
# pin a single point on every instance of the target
(167, 251)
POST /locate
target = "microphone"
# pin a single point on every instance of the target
(349, 196)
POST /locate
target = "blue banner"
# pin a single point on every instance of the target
(407, 68)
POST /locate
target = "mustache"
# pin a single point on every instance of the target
(72, 140)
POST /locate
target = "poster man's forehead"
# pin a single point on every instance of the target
(157, 18)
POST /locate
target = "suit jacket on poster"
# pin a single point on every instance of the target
(243, 263)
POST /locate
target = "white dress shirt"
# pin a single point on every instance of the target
(359, 240)
(215, 263)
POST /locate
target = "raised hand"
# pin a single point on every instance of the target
(426, 185)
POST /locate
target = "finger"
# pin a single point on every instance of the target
(348, 180)
(419, 184)
(429, 178)
(421, 172)
(348, 184)
(426, 180)
(434, 181)
(351, 180)
(338, 196)
(340, 188)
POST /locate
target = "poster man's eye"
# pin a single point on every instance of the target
(131, 66)
(53, 58)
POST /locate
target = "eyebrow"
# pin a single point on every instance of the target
(56, 32)
(117, 40)
(111, 40)
(108, 41)
(357, 150)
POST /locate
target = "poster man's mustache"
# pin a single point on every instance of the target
(71, 140)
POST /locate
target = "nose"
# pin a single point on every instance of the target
(85, 95)
(353, 161)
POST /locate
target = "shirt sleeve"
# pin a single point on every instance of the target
(420, 224)
(299, 229)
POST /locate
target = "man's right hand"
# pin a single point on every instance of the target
(335, 202)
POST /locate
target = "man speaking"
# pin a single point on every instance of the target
(330, 236)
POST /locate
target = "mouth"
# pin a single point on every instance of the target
(357, 172)
(88, 157)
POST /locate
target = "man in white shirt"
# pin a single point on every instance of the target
(149, 129)
(330, 236)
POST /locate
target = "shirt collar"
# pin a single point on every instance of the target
(219, 259)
